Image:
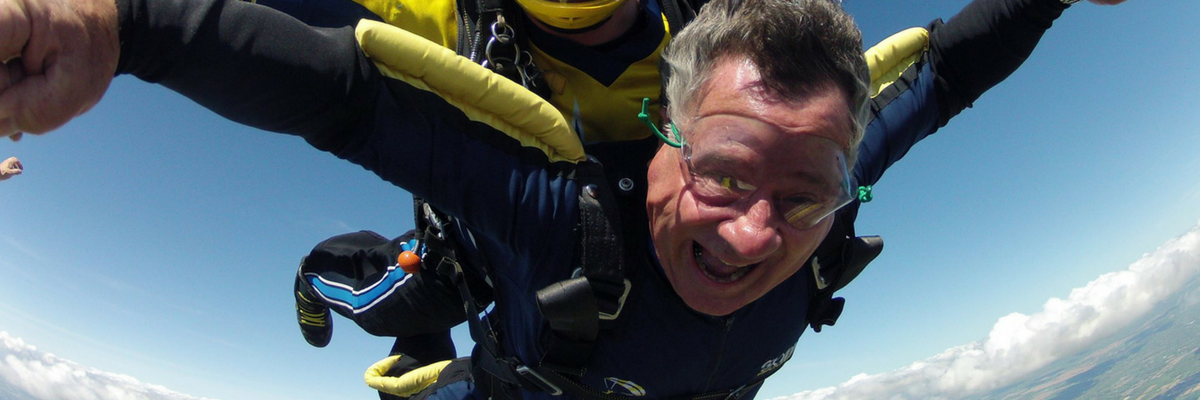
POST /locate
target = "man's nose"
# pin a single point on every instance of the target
(753, 235)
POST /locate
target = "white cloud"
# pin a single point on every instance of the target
(1019, 344)
(47, 377)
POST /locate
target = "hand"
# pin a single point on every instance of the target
(59, 57)
(9, 168)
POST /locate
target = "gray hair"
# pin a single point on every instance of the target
(798, 46)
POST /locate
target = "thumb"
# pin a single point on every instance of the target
(25, 107)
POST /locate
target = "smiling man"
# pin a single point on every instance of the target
(768, 134)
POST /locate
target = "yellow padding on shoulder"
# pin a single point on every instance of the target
(405, 385)
(481, 94)
(888, 59)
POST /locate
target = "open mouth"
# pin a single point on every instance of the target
(718, 270)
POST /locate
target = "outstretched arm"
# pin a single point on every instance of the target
(972, 52)
(250, 64)
(438, 125)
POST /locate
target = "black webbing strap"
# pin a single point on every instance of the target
(566, 384)
(601, 251)
(576, 308)
(839, 259)
(579, 307)
(835, 274)
(678, 13)
(488, 356)
(898, 87)
(433, 230)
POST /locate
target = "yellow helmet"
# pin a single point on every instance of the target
(571, 14)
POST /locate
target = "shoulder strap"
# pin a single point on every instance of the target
(577, 309)
(592, 299)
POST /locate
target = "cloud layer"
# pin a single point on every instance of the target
(1019, 344)
(45, 376)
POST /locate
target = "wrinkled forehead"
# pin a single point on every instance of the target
(757, 147)
(821, 110)
(735, 134)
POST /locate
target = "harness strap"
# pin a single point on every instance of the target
(835, 263)
(578, 308)
(575, 308)
(556, 383)
(487, 354)
(896, 88)
(678, 13)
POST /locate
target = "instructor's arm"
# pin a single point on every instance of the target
(250, 64)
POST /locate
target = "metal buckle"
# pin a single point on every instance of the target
(816, 267)
(539, 380)
(620, 304)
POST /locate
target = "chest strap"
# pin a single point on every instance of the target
(542, 378)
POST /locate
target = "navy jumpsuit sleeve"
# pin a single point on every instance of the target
(262, 68)
(976, 49)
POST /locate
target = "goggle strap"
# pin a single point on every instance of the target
(645, 117)
(864, 194)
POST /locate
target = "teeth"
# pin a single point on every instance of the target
(737, 275)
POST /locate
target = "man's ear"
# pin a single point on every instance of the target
(662, 116)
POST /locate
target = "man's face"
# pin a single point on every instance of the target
(727, 212)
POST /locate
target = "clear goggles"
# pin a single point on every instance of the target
(724, 163)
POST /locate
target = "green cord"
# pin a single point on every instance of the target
(645, 117)
(864, 194)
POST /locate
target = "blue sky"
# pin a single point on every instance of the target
(152, 239)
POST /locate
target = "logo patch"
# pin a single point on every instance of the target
(774, 364)
(624, 387)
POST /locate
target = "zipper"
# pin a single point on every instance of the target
(720, 354)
